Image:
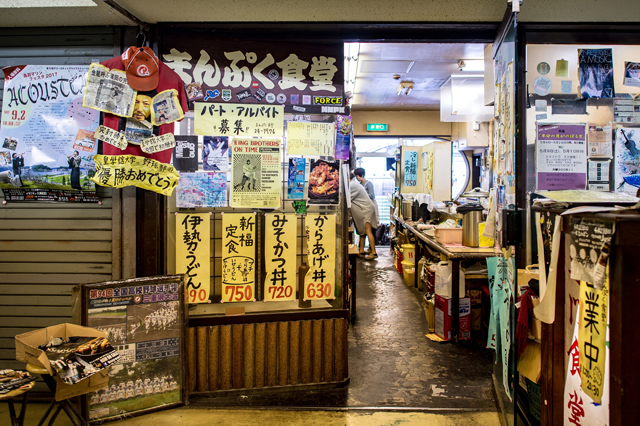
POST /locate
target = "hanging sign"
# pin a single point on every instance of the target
(561, 156)
(303, 77)
(344, 129)
(238, 120)
(308, 138)
(321, 252)
(255, 173)
(280, 257)
(193, 254)
(594, 305)
(119, 171)
(410, 168)
(238, 257)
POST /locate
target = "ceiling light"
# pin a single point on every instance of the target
(351, 56)
(471, 65)
(404, 88)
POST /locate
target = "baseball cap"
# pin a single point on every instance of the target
(141, 66)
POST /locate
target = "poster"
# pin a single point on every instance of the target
(627, 164)
(255, 173)
(310, 138)
(324, 182)
(410, 168)
(144, 318)
(305, 78)
(46, 137)
(296, 178)
(238, 257)
(626, 110)
(185, 153)
(579, 408)
(595, 72)
(632, 74)
(594, 311)
(321, 252)
(118, 171)
(588, 237)
(215, 153)
(238, 120)
(344, 128)
(561, 156)
(600, 140)
(193, 254)
(280, 257)
(599, 172)
(201, 190)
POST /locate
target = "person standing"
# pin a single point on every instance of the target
(368, 186)
(17, 163)
(74, 164)
(365, 217)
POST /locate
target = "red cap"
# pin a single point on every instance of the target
(141, 65)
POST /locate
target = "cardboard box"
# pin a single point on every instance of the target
(443, 318)
(27, 351)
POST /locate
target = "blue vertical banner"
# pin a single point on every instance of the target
(344, 128)
(295, 185)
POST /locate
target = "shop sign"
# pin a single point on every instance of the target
(238, 257)
(320, 280)
(256, 71)
(193, 254)
(238, 120)
(280, 257)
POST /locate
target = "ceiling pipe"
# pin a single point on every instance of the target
(130, 16)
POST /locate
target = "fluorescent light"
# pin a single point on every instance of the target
(18, 4)
(351, 56)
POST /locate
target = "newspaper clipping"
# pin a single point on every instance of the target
(166, 108)
(108, 91)
(255, 169)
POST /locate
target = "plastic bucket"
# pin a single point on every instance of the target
(409, 252)
(409, 272)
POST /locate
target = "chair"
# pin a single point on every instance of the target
(17, 421)
(65, 405)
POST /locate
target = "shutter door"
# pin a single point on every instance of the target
(47, 248)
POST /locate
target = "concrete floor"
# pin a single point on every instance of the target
(398, 376)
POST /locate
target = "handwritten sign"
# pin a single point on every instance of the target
(321, 246)
(193, 254)
(238, 257)
(238, 120)
(158, 143)
(280, 257)
(304, 138)
(112, 137)
(410, 168)
(592, 336)
(119, 171)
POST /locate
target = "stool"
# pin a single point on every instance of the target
(65, 405)
(17, 421)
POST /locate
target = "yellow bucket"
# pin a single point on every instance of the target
(409, 273)
(409, 253)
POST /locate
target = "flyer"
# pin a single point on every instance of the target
(185, 153)
(600, 140)
(201, 190)
(632, 74)
(309, 138)
(595, 72)
(215, 153)
(627, 163)
(344, 128)
(588, 238)
(47, 139)
(296, 178)
(255, 173)
(561, 156)
(324, 182)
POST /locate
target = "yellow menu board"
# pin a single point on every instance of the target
(320, 280)
(238, 257)
(193, 254)
(280, 256)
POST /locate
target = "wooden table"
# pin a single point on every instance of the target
(455, 255)
(24, 391)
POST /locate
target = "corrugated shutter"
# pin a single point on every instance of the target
(47, 248)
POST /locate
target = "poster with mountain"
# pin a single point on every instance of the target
(595, 72)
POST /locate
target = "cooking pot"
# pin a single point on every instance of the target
(471, 217)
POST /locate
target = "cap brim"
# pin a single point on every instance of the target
(143, 84)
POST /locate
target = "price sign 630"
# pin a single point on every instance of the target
(319, 291)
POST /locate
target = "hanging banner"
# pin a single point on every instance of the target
(344, 128)
(119, 171)
(410, 168)
(307, 138)
(255, 173)
(193, 254)
(305, 78)
(561, 156)
(239, 120)
(215, 153)
(202, 190)
(324, 182)
(595, 71)
(280, 257)
(47, 137)
(238, 257)
(594, 306)
(321, 251)
(296, 178)
(579, 408)
(589, 249)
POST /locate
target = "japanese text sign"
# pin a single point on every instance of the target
(594, 305)
(316, 139)
(238, 257)
(410, 168)
(239, 120)
(561, 156)
(118, 171)
(280, 256)
(193, 254)
(307, 76)
(255, 173)
(321, 246)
